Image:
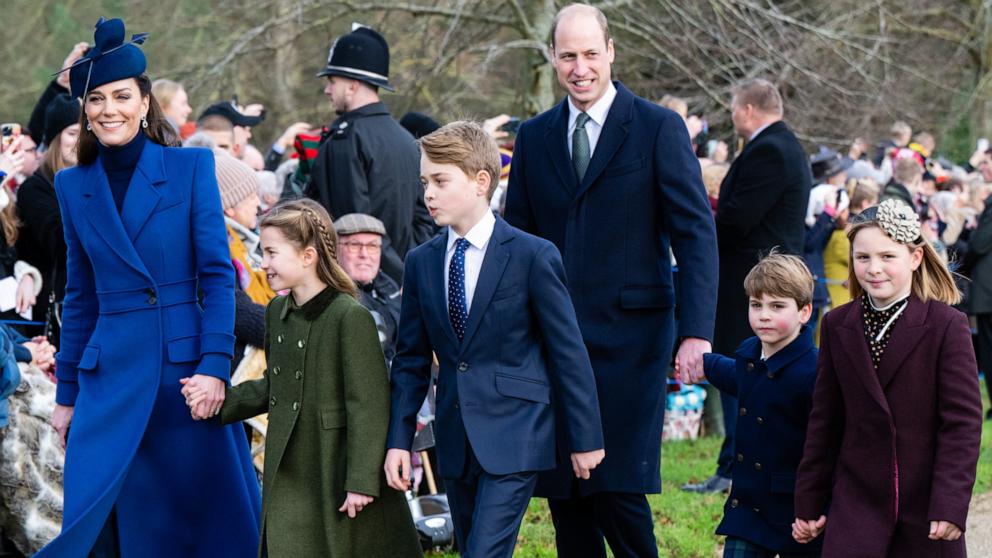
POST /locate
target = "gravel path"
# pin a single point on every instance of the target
(979, 534)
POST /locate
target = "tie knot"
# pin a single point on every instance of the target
(581, 119)
(461, 245)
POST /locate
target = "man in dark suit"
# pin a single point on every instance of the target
(762, 205)
(611, 179)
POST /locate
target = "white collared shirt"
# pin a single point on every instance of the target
(597, 118)
(759, 130)
(478, 240)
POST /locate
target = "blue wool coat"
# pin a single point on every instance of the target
(775, 397)
(132, 327)
(641, 196)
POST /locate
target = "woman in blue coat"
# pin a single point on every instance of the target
(149, 300)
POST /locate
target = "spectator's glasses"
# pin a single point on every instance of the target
(355, 248)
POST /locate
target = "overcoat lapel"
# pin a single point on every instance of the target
(142, 196)
(556, 140)
(851, 336)
(493, 265)
(102, 214)
(907, 333)
(611, 138)
(435, 281)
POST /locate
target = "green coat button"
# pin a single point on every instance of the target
(275, 370)
(299, 374)
(272, 402)
(296, 406)
(301, 343)
(279, 338)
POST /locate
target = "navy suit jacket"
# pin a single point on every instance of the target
(641, 196)
(521, 351)
(775, 398)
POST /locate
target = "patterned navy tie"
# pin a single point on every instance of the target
(457, 306)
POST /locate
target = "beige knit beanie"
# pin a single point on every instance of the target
(235, 179)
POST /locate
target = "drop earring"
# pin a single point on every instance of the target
(144, 122)
(88, 127)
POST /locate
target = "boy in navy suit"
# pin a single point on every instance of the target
(772, 375)
(491, 302)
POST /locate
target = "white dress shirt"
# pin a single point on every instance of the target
(478, 240)
(758, 131)
(597, 118)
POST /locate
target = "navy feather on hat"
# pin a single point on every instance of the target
(110, 59)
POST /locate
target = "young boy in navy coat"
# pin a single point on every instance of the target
(491, 302)
(772, 375)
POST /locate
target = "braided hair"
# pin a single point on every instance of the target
(305, 222)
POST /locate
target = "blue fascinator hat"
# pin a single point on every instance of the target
(110, 59)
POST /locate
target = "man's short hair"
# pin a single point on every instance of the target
(596, 12)
(900, 132)
(215, 123)
(467, 146)
(906, 170)
(780, 275)
(759, 93)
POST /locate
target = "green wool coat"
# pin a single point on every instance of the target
(327, 395)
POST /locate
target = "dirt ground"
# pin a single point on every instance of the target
(979, 533)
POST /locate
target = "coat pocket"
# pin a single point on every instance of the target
(522, 388)
(633, 298)
(624, 167)
(783, 483)
(333, 418)
(91, 355)
(184, 349)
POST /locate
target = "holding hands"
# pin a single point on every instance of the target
(805, 531)
(204, 395)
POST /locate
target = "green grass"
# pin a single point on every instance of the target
(684, 523)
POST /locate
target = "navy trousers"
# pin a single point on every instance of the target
(623, 520)
(487, 509)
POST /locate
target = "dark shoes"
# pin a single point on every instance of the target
(712, 485)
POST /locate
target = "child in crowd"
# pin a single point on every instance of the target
(772, 376)
(895, 431)
(491, 302)
(327, 396)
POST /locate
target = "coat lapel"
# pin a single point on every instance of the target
(142, 196)
(102, 214)
(435, 281)
(611, 138)
(556, 140)
(493, 265)
(851, 336)
(907, 333)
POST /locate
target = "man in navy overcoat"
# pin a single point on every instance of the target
(611, 179)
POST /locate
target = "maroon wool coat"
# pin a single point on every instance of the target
(895, 450)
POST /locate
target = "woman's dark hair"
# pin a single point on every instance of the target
(159, 130)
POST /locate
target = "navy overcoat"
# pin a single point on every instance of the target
(641, 196)
(132, 327)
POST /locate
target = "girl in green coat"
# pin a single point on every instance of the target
(327, 395)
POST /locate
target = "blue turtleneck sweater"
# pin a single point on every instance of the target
(119, 162)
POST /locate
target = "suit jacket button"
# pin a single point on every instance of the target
(275, 370)
(462, 366)
(750, 366)
(757, 466)
(771, 375)
(734, 503)
(742, 411)
(740, 457)
(761, 420)
(296, 405)
(456, 405)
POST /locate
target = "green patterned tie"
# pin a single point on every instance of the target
(580, 146)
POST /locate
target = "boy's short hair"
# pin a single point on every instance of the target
(781, 275)
(467, 146)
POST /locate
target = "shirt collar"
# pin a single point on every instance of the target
(598, 111)
(478, 235)
(750, 350)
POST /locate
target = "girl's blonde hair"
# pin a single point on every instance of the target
(8, 218)
(305, 222)
(931, 281)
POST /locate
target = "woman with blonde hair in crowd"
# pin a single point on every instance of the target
(174, 102)
(837, 255)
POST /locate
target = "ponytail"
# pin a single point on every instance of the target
(305, 222)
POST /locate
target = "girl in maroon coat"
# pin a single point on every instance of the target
(895, 430)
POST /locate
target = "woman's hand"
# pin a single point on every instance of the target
(75, 54)
(354, 503)
(61, 417)
(944, 531)
(25, 294)
(204, 395)
(805, 531)
(12, 159)
(42, 354)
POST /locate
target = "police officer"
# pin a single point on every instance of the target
(367, 163)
